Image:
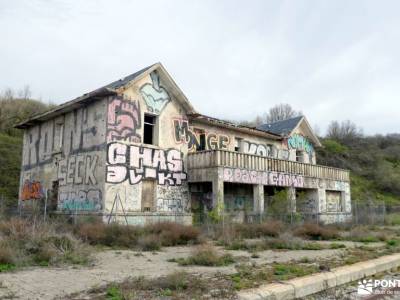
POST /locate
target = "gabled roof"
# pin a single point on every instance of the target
(123, 81)
(285, 128)
(112, 89)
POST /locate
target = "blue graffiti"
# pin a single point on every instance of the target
(300, 142)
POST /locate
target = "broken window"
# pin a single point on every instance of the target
(238, 142)
(299, 156)
(149, 125)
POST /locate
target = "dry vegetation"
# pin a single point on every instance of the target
(27, 242)
(178, 285)
(147, 238)
(206, 255)
(24, 243)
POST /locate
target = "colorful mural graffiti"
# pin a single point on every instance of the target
(299, 142)
(123, 120)
(136, 163)
(32, 190)
(90, 200)
(183, 133)
(155, 96)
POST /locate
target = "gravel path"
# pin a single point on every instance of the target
(112, 266)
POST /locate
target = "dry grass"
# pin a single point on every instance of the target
(316, 232)
(270, 228)
(178, 285)
(150, 237)
(24, 243)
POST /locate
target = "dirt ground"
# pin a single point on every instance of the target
(117, 265)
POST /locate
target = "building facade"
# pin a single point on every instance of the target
(136, 151)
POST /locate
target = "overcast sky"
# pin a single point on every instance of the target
(333, 60)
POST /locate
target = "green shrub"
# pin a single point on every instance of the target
(392, 243)
(6, 267)
(334, 146)
(114, 293)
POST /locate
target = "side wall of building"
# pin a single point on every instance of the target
(63, 162)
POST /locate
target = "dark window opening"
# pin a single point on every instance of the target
(202, 142)
(238, 141)
(149, 123)
(299, 156)
(53, 196)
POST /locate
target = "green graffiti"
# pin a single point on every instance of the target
(300, 142)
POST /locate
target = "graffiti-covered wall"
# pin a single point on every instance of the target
(63, 159)
(144, 178)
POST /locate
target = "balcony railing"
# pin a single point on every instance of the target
(222, 158)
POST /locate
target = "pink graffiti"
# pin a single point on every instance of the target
(245, 176)
(260, 177)
(123, 120)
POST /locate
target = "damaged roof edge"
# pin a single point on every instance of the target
(253, 130)
(66, 107)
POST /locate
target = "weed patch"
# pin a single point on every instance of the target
(206, 256)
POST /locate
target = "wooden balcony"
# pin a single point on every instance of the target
(222, 158)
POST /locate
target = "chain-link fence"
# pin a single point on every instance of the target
(363, 213)
(369, 213)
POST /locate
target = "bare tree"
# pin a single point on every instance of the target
(25, 93)
(7, 94)
(346, 130)
(281, 112)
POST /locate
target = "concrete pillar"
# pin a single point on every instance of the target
(291, 199)
(258, 198)
(218, 193)
(347, 198)
(321, 201)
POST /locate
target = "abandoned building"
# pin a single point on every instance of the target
(136, 151)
